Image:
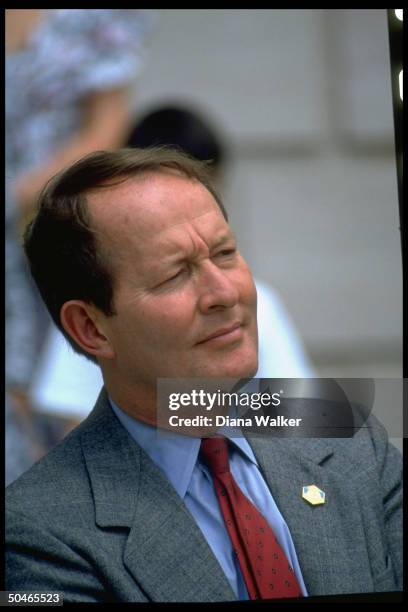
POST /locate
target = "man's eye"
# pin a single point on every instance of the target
(176, 275)
(226, 253)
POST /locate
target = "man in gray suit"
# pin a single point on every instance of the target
(134, 257)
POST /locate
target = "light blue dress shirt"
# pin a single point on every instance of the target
(178, 458)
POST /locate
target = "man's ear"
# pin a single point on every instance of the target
(80, 321)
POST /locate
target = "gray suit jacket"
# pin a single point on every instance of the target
(98, 521)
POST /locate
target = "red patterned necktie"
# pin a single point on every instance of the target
(264, 565)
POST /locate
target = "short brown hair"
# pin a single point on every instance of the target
(60, 243)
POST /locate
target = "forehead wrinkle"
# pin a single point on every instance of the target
(196, 237)
(179, 247)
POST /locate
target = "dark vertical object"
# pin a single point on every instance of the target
(395, 32)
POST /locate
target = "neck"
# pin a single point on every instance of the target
(137, 400)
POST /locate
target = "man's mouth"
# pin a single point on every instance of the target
(232, 332)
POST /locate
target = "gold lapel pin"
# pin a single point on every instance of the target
(313, 495)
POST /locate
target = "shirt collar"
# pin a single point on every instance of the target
(175, 454)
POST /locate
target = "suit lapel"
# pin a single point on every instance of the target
(329, 538)
(171, 559)
(166, 552)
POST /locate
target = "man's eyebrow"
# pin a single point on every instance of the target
(223, 239)
(172, 259)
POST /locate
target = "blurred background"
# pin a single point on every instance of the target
(301, 103)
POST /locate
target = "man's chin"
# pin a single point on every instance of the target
(235, 369)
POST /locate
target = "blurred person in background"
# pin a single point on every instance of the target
(67, 384)
(68, 75)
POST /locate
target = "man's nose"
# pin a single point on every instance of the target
(217, 289)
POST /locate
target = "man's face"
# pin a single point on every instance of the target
(184, 296)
